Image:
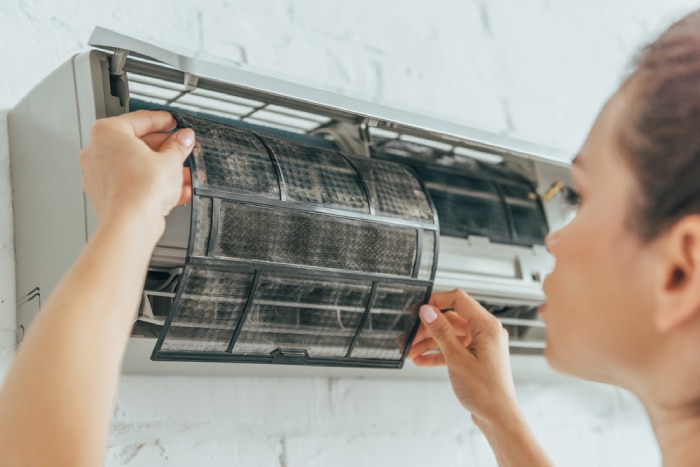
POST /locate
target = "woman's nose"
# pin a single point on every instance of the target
(551, 240)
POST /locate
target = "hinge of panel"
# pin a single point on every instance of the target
(364, 127)
(117, 62)
(191, 81)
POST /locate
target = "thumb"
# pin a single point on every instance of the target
(179, 145)
(441, 331)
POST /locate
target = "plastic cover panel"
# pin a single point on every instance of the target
(329, 271)
(304, 238)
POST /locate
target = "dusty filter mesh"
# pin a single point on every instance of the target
(304, 238)
(299, 255)
(473, 197)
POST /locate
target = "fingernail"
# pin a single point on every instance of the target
(186, 137)
(428, 313)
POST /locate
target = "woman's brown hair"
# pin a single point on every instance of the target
(662, 141)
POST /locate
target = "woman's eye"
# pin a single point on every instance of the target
(572, 197)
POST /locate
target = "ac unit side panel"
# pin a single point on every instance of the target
(49, 213)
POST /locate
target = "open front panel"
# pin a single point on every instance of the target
(298, 255)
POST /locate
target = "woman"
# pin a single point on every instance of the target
(623, 302)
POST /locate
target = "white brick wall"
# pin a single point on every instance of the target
(535, 69)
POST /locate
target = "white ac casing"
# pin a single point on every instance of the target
(53, 218)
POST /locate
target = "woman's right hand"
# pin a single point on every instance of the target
(474, 346)
(134, 165)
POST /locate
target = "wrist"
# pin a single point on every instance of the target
(508, 422)
(513, 441)
(136, 223)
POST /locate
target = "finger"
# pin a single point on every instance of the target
(441, 330)
(430, 345)
(459, 324)
(186, 194)
(435, 359)
(179, 145)
(424, 346)
(421, 334)
(187, 176)
(460, 302)
(143, 122)
(155, 140)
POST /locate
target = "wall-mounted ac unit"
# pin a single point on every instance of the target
(318, 224)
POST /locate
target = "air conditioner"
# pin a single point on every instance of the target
(319, 222)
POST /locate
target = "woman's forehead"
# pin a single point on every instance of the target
(603, 139)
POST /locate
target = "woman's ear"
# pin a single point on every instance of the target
(679, 274)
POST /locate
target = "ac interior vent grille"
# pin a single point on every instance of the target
(219, 104)
(525, 330)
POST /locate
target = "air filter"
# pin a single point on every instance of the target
(298, 255)
(473, 197)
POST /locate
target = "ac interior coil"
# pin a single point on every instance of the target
(297, 254)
